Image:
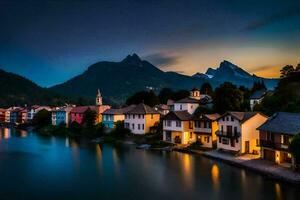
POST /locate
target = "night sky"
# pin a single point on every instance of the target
(51, 41)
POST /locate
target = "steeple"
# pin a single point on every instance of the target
(98, 98)
(195, 94)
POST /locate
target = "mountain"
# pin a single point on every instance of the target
(17, 90)
(230, 72)
(118, 80)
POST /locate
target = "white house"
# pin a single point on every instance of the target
(237, 131)
(35, 109)
(141, 119)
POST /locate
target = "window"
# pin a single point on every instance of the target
(225, 141)
(205, 124)
(222, 128)
(180, 107)
(232, 119)
(209, 125)
(139, 116)
(235, 130)
(223, 118)
(133, 116)
(168, 123)
(191, 106)
(139, 126)
(227, 118)
(191, 135)
(178, 123)
(232, 143)
(143, 126)
(132, 126)
(151, 116)
(191, 124)
(220, 139)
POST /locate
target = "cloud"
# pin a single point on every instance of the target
(262, 68)
(272, 19)
(162, 59)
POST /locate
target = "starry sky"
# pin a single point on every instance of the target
(52, 41)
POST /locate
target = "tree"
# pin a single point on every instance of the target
(89, 118)
(147, 97)
(165, 94)
(42, 118)
(286, 70)
(258, 85)
(228, 97)
(206, 88)
(298, 68)
(75, 127)
(180, 94)
(294, 148)
(120, 130)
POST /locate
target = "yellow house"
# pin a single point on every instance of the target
(206, 126)
(178, 127)
(141, 119)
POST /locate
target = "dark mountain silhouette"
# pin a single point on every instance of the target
(118, 80)
(17, 90)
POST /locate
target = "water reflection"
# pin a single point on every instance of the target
(215, 177)
(188, 170)
(278, 191)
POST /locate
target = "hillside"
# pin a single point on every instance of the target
(17, 90)
(118, 80)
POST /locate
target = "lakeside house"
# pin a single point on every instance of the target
(257, 97)
(238, 132)
(111, 116)
(275, 136)
(141, 119)
(205, 129)
(178, 127)
(2, 115)
(61, 116)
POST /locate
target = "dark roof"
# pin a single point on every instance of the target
(142, 109)
(195, 89)
(241, 116)
(80, 109)
(211, 117)
(187, 100)
(258, 94)
(119, 111)
(182, 115)
(282, 122)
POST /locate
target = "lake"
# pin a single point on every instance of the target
(39, 167)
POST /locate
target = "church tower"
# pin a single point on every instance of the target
(98, 98)
(195, 94)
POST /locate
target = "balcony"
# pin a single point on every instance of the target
(203, 131)
(228, 135)
(273, 145)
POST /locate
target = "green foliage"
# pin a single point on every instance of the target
(42, 118)
(165, 94)
(258, 85)
(286, 70)
(89, 118)
(147, 97)
(120, 131)
(99, 130)
(286, 96)
(75, 127)
(228, 98)
(203, 110)
(206, 88)
(294, 147)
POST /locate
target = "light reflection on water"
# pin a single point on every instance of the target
(73, 168)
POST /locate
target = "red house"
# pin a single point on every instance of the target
(77, 113)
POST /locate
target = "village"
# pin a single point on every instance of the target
(234, 137)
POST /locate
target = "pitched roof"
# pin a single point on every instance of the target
(282, 122)
(170, 102)
(211, 117)
(241, 116)
(258, 94)
(187, 100)
(119, 111)
(80, 109)
(182, 115)
(142, 109)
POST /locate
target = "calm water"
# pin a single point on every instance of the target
(35, 167)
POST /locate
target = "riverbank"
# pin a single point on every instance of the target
(254, 163)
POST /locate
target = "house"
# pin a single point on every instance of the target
(61, 116)
(190, 104)
(170, 104)
(257, 97)
(111, 116)
(275, 135)
(77, 113)
(7, 114)
(2, 115)
(35, 109)
(205, 128)
(141, 119)
(24, 115)
(163, 109)
(15, 115)
(238, 131)
(178, 127)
